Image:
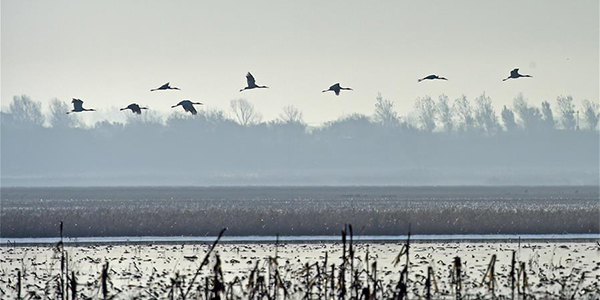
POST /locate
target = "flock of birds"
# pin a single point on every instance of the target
(188, 105)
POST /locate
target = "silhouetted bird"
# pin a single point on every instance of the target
(432, 77)
(165, 86)
(188, 106)
(78, 106)
(515, 74)
(252, 83)
(135, 108)
(337, 88)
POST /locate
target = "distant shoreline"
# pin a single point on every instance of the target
(171, 240)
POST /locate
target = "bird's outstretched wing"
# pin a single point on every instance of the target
(514, 73)
(77, 104)
(335, 86)
(165, 86)
(250, 79)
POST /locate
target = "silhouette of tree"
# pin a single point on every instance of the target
(384, 113)
(566, 109)
(426, 111)
(147, 117)
(26, 112)
(445, 113)
(591, 114)
(244, 112)
(485, 115)
(548, 117)
(531, 117)
(59, 117)
(464, 112)
(291, 114)
(508, 118)
(354, 126)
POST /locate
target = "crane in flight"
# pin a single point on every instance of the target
(252, 83)
(166, 86)
(135, 108)
(188, 106)
(432, 77)
(514, 74)
(78, 106)
(336, 88)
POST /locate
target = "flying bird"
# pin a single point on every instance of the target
(165, 86)
(78, 106)
(188, 106)
(337, 88)
(515, 74)
(135, 108)
(432, 77)
(252, 83)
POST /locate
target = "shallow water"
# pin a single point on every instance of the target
(124, 240)
(555, 270)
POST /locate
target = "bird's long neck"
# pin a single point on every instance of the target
(526, 76)
(262, 86)
(88, 109)
(347, 89)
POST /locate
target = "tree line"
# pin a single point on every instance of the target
(429, 115)
(441, 141)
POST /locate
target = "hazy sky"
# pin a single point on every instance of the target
(111, 53)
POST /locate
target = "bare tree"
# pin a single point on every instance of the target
(426, 111)
(508, 118)
(25, 111)
(384, 113)
(463, 110)
(485, 115)
(531, 117)
(59, 117)
(591, 113)
(566, 109)
(291, 114)
(548, 117)
(445, 113)
(244, 112)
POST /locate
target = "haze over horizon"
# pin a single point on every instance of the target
(111, 53)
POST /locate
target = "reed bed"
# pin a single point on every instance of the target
(299, 211)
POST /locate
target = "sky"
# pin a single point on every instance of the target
(111, 53)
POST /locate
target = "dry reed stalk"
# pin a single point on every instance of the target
(204, 262)
(512, 276)
(73, 286)
(104, 281)
(456, 278)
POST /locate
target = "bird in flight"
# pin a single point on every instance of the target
(165, 86)
(337, 88)
(515, 74)
(188, 106)
(252, 83)
(135, 108)
(432, 77)
(78, 106)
